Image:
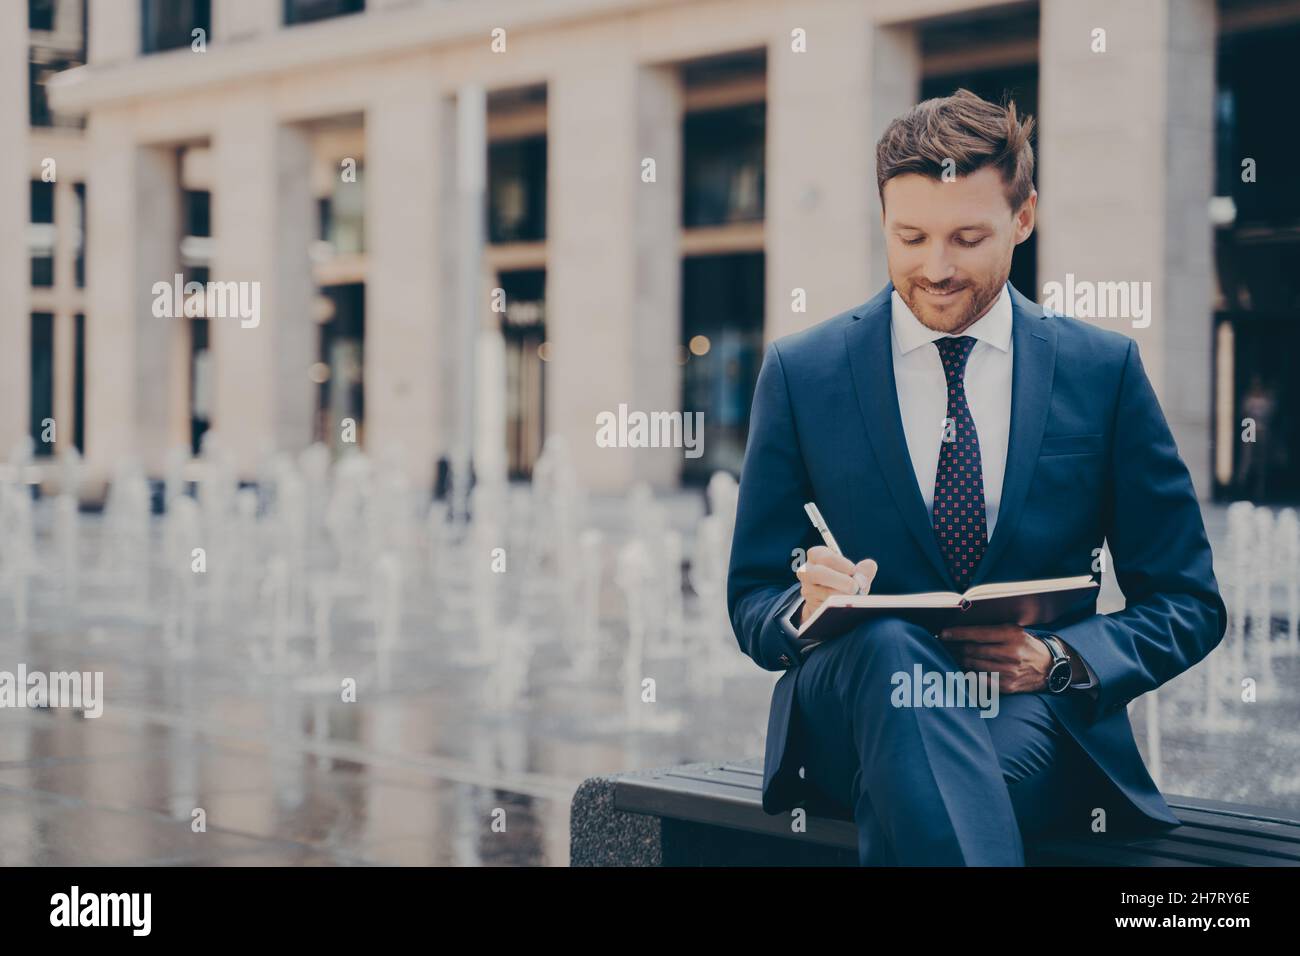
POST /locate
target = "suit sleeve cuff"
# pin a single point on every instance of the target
(1090, 685)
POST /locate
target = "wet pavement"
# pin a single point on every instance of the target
(214, 755)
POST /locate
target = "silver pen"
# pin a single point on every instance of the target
(815, 516)
(818, 522)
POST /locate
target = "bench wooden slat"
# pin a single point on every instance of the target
(678, 798)
(1202, 836)
(754, 767)
(726, 778)
(1193, 811)
(1080, 854)
(728, 795)
(1253, 817)
(1185, 846)
(1243, 810)
(1215, 821)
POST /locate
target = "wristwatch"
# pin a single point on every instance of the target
(1058, 675)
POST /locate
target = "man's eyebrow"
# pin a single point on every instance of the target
(975, 225)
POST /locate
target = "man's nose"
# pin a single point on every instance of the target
(937, 268)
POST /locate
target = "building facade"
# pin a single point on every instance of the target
(669, 185)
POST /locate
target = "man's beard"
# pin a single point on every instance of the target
(977, 298)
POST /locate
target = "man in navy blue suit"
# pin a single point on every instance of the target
(953, 434)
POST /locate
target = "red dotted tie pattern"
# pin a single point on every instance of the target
(959, 520)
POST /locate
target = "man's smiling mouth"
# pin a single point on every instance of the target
(942, 293)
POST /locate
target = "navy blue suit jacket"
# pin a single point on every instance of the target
(1090, 458)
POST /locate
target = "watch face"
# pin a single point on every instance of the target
(1058, 678)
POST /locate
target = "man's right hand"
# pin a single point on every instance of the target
(826, 573)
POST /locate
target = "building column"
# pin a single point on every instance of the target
(158, 385)
(113, 28)
(819, 165)
(613, 312)
(657, 319)
(133, 227)
(263, 217)
(895, 89)
(1127, 152)
(405, 312)
(15, 211)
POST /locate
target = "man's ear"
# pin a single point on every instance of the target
(1026, 217)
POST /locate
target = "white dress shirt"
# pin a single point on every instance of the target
(923, 399)
(923, 394)
(922, 390)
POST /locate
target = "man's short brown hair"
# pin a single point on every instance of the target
(970, 132)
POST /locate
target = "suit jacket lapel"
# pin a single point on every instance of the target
(1033, 366)
(871, 357)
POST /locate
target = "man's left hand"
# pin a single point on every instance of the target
(1021, 660)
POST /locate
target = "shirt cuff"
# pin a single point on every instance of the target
(787, 616)
(806, 644)
(1092, 678)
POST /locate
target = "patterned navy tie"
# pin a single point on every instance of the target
(959, 520)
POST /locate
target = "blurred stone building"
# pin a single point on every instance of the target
(311, 147)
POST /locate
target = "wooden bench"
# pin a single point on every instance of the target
(711, 814)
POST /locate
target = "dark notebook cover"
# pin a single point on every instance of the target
(1024, 603)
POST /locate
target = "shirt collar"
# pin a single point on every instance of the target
(993, 327)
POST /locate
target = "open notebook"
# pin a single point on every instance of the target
(1010, 602)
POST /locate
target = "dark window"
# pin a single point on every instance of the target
(324, 217)
(1252, 68)
(42, 202)
(308, 11)
(79, 264)
(723, 165)
(42, 234)
(196, 273)
(722, 341)
(169, 24)
(42, 271)
(342, 359)
(343, 215)
(1018, 83)
(42, 65)
(201, 384)
(40, 14)
(524, 328)
(79, 383)
(517, 190)
(38, 103)
(1257, 263)
(198, 212)
(41, 402)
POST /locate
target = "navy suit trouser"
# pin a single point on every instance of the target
(933, 786)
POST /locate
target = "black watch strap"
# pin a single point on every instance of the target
(1058, 656)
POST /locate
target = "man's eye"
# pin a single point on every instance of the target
(914, 242)
(971, 244)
